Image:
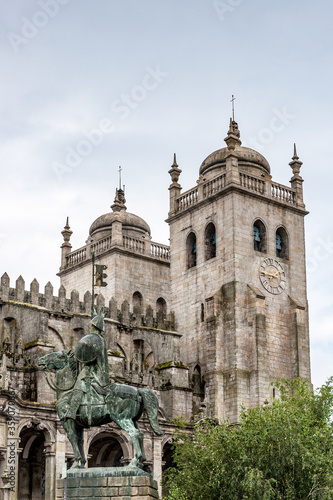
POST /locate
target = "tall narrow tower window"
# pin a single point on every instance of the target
(282, 244)
(259, 236)
(210, 241)
(191, 250)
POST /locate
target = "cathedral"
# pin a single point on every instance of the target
(209, 322)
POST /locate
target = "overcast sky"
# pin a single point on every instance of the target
(90, 85)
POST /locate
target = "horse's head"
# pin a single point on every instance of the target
(54, 361)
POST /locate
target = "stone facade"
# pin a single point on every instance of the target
(208, 323)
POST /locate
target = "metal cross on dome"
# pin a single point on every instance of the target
(119, 172)
(233, 107)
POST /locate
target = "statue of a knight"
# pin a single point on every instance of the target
(91, 352)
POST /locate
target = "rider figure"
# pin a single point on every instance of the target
(90, 351)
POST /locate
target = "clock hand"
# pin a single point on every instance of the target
(271, 275)
(268, 273)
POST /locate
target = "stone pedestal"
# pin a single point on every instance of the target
(106, 483)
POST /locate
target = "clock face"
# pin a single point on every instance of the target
(272, 276)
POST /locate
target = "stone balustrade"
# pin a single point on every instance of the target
(251, 183)
(160, 251)
(283, 193)
(214, 186)
(187, 199)
(101, 245)
(136, 245)
(76, 257)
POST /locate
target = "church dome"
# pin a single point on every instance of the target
(248, 159)
(128, 220)
(132, 225)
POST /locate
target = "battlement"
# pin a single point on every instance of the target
(125, 314)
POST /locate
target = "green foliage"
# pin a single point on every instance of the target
(283, 451)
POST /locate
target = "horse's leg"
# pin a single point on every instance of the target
(71, 431)
(143, 454)
(127, 425)
(80, 439)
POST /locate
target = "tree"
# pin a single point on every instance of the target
(283, 451)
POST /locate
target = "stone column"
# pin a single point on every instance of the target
(60, 447)
(157, 462)
(50, 470)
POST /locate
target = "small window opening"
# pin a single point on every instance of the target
(202, 313)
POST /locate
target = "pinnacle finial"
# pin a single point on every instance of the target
(175, 164)
(295, 163)
(66, 233)
(174, 171)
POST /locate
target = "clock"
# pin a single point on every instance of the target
(272, 276)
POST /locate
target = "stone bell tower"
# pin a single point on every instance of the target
(238, 277)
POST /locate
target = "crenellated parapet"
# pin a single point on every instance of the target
(47, 300)
(126, 313)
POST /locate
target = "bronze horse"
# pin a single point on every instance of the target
(119, 403)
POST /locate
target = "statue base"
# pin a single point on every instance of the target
(107, 483)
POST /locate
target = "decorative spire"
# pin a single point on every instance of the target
(67, 233)
(175, 164)
(174, 171)
(295, 164)
(233, 137)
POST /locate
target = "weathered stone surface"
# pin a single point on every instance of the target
(93, 486)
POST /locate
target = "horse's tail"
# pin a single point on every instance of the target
(150, 404)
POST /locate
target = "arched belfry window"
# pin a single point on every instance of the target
(259, 236)
(282, 244)
(191, 250)
(210, 241)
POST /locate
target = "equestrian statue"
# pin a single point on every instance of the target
(86, 397)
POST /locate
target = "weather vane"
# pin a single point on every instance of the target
(233, 107)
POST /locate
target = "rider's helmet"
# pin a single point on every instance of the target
(98, 321)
